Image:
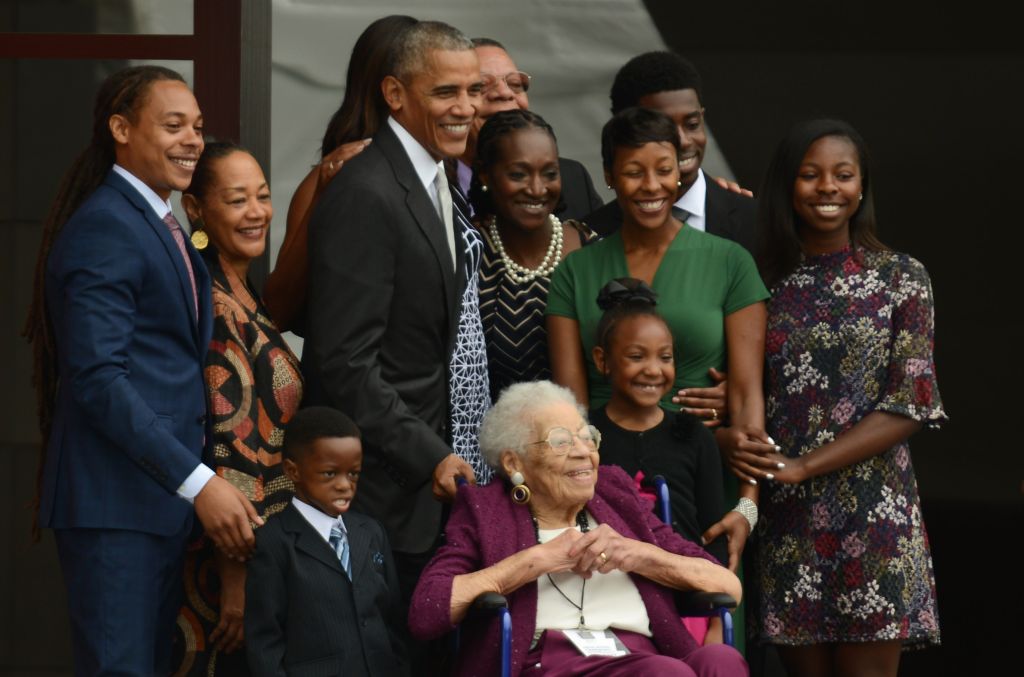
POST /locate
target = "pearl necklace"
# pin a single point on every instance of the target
(521, 274)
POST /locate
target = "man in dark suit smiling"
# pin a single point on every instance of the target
(385, 290)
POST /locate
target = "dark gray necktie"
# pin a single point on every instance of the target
(680, 213)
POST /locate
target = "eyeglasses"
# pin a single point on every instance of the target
(560, 439)
(517, 81)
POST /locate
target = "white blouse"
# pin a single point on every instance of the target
(609, 600)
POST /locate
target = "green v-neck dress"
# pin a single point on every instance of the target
(702, 279)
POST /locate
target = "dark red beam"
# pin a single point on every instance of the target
(86, 46)
(217, 54)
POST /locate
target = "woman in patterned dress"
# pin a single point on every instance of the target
(845, 571)
(254, 387)
(515, 190)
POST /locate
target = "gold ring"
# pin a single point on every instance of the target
(714, 414)
(604, 558)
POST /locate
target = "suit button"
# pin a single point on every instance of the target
(201, 420)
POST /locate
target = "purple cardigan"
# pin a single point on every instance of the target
(486, 527)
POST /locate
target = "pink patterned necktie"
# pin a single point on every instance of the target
(179, 238)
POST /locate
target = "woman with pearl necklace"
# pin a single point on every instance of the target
(515, 191)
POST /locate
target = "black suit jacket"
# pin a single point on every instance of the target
(578, 193)
(383, 311)
(302, 614)
(726, 214)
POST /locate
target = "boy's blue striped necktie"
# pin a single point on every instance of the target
(339, 541)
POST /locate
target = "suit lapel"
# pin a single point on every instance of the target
(204, 290)
(422, 210)
(358, 545)
(163, 233)
(308, 540)
(716, 210)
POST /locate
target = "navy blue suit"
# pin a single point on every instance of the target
(129, 424)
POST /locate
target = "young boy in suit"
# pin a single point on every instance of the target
(321, 593)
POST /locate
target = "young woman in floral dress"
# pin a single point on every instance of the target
(845, 570)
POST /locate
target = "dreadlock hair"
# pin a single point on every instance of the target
(650, 73)
(488, 152)
(620, 299)
(363, 109)
(779, 249)
(123, 93)
(314, 423)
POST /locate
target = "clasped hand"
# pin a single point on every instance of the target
(601, 549)
(750, 454)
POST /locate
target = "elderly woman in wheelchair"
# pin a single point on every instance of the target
(590, 574)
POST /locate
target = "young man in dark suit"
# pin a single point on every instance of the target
(666, 82)
(505, 88)
(386, 281)
(128, 302)
(321, 590)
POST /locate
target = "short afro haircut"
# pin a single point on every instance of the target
(314, 423)
(650, 73)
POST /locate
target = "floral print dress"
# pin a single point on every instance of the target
(844, 557)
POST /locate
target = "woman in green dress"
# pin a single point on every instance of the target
(710, 295)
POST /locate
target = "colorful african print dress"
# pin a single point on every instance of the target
(844, 557)
(254, 386)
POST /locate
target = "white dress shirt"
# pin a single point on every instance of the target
(321, 522)
(694, 202)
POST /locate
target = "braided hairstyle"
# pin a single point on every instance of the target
(497, 127)
(620, 299)
(363, 109)
(123, 93)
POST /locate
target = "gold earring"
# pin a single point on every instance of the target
(860, 197)
(520, 492)
(200, 240)
(483, 187)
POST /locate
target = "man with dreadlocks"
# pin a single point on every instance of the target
(120, 326)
